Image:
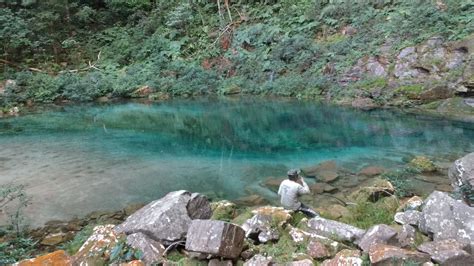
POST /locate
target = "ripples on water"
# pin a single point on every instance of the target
(84, 158)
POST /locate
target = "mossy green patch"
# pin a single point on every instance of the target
(412, 91)
(365, 214)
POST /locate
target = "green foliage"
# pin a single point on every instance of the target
(400, 179)
(122, 252)
(16, 245)
(365, 214)
(72, 246)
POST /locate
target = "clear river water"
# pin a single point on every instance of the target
(77, 159)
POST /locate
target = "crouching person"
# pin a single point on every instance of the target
(290, 190)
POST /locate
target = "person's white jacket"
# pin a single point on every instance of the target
(289, 192)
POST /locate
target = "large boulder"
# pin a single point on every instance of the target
(57, 258)
(216, 238)
(447, 252)
(446, 218)
(167, 220)
(461, 175)
(345, 257)
(263, 226)
(98, 247)
(381, 254)
(336, 230)
(152, 251)
(377, 234)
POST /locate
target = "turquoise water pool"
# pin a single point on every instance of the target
(76, 159)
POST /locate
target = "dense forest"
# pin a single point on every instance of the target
(80, 50)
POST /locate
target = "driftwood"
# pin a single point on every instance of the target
(19, 66)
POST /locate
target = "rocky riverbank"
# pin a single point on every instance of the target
(185, 228)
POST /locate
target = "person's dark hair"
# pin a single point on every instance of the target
(293, 174)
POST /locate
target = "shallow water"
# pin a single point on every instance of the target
(77, 159)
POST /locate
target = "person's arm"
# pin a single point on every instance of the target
(303, 189)
(279, 190)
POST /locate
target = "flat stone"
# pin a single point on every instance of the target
(375, 235)
(345, 257)
(447, 252)
(252, 200)
(408, 217)
(317, 250)
(152, 250)
(259, 260)
(57, 258)
(381, 254)
(215, 238)
(273, 183)
(334, 229)
(446, 218)
(167, 220)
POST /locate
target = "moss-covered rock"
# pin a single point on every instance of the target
(423, 164)
(223, 210)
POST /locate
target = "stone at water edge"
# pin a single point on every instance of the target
(446, 218)
(251, 200)
(373, 190)
(408, 217)
(345, 257)
(423, 164)
(333, 229)
(152, 250)
(168, 218)
(461, 174)
(216, 238)
(381, 254)
(448, 252)
(57, 258)
(377, 234)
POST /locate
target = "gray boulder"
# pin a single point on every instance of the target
(408, 217)
(336, 230)
(446, 218)
(377, 234)
(407, 235)
(381, 254)
(167, 220)
(447, 252)
(152, 250)
(461, 175)
(259, 228)
(215, 238)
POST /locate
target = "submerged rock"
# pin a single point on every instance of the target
(423, 164)
(215, 238)
(333, 229)
(377, 234)
(372, 171)
(446, 218)
(168, 219)
(381, 254)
